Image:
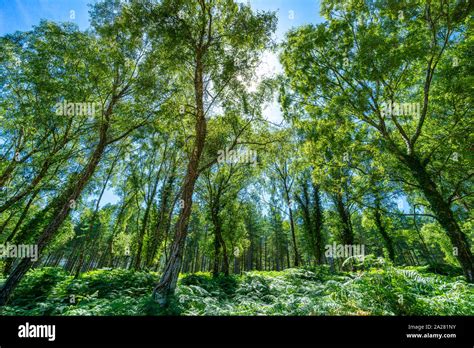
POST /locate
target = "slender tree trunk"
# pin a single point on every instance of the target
(109, 257)
(265, 255)
(138, 257)
(293, 237)
(217, 249)
(9, 262)
(167, 284)
(219, 244)
(7, 220)
(347, 235)
(162, 224)
(23, 216)
(292, 222)
(383, 232)
(426, 251)
(88, 236)
(7, 172)
(318, 225)
(36, 180)
(149, 205)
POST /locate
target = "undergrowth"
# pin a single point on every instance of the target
(373, 288)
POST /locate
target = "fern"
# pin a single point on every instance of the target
(376, 289)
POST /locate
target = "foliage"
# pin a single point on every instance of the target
(181, 169)
(377, 289)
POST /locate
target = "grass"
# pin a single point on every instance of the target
(374, 289)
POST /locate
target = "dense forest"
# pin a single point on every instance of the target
(357, 202)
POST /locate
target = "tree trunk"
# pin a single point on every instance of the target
(293, 237)
(141, 235)
(219, 244)
(292, 222)
(383, 232)
(167, 284)
(445, 216)
(318, 225)
(312, 219)
(347, 236)
(23, 216)
(93, 218)
(162, 224)
(7, 220)
(61, 211)
(36, 180)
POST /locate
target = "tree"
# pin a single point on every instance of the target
(220, 41)
(113, 58)
(379, 69)
(286, 182)
(310, 202)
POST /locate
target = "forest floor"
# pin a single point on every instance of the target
(379, 290)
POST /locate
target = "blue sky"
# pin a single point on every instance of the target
(23, 14)
(290, 12)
